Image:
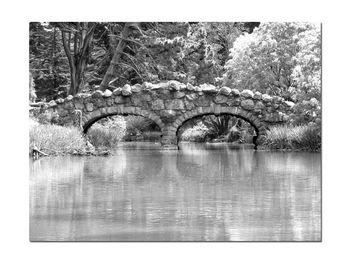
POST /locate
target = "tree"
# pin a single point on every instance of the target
(76, 40)
(280, 59)
(115, 62)
(47, 61)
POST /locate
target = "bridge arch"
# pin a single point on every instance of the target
(89, 119)
(170, 133)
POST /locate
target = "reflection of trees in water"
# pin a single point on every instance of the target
(193, 194)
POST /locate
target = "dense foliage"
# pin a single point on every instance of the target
(280, 59)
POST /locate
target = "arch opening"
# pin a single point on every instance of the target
(107, 130)
(223, 127)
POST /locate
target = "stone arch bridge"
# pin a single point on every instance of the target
(170, 104)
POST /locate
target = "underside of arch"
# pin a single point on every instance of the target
(170, 134)
(89, 119)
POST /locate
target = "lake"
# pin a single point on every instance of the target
(203, 192)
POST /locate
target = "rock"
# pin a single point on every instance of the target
(175, 105)
(136, 88)
(259, 105)
(174, 85)
(179, 94)
(234, 102)
(157, 105)
(189, 105)
(189, 86)
(59, 101)
(89, 107)
(247, 104)
(290, 104)
(220, 99)
(202, 101)
(208, 88)
(236, 92)
(147, 97)
(169, 114)
(107, 93)
(78, 105)
(69, 98)
(276, 99)
(257, 95)
(247, 94)
(110, 101)
(147, 85)
(126, 91)
(192, 96)
(52, 103)
(97, 94)
(266, 98)
(82, 96)
(225, 91)
(117, 91)
(136, 100)
(120, 100)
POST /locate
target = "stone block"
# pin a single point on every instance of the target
(220, 99)
(208, 88)
(174, 105)
(89, 106)
(257, 95)
(179, 94)
(107, 93)
(117, 92)
(157, 105)
(266, 98)
(97, 94)
(192, 96)
(247, 104)
(189, 105)
(225, 91)
(247, 94)
(236, 92)
(136, 88)
(126, 90)
(202, 101)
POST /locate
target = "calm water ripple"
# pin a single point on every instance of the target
(202, 192)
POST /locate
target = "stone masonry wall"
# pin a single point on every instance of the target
(170, 104)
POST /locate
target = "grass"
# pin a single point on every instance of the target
(106, 133)
(56, 140)
(301, 138)
(104, 137)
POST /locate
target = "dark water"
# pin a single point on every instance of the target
(200, 193)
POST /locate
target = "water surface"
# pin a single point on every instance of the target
(203, 192)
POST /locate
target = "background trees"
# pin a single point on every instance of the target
(280, 59)
(276, 58)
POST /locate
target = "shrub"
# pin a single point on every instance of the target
(108, 132)
(197, 133)
(302, 137)
(54, 139)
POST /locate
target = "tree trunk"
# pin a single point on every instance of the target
(78, 60)
(111, 71)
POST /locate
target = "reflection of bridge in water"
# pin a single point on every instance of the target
(188, 195)
(170, 105)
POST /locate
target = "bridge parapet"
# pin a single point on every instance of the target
(170, 104)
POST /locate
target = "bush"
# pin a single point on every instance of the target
(197, 133)
(108, 132)
(54, 139)
(303, 137)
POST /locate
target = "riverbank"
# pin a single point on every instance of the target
(50, 140)
(293, 138)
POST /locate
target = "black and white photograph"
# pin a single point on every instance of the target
(175, 131)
